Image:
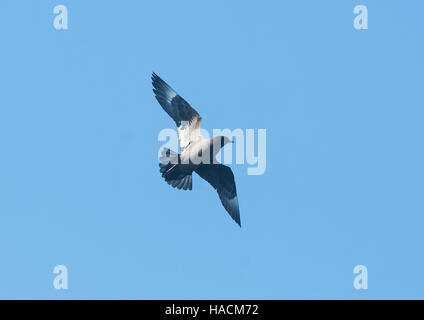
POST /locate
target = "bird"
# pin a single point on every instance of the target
(198, 154)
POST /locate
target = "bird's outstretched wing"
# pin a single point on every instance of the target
(222, 179)
(186, 118)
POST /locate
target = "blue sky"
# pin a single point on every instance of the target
(79, 179)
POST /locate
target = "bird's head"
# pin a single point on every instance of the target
(218, 142)
(223, 140)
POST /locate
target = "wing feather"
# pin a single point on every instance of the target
(221, 178)
(186, 118)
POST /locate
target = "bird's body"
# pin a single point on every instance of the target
(201, 150)
(197, 153)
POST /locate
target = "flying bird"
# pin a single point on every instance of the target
(197, 153)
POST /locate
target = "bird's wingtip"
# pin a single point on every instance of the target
(237, 220)
(157, 81)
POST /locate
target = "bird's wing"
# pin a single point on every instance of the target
(187, 119)
(222, 179)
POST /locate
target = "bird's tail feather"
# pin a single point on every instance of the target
(171, 170)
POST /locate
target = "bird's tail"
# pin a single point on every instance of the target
(172, 172)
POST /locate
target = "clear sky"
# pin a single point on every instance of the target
(79, 178)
